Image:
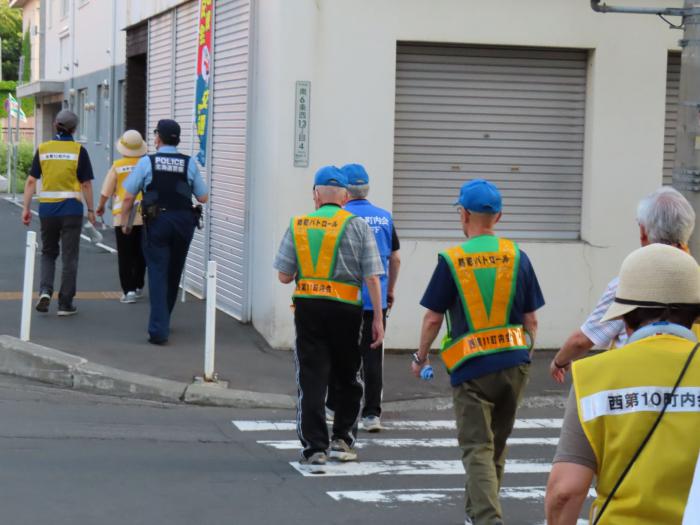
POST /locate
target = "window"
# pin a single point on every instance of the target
(673, 80)
(65, 7)
(513, 115)
(82, 115)
(121, 105)
(63, 55)
(99, 103)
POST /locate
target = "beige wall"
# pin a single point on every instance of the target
(346, 48)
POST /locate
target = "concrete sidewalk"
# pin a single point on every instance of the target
(113, 335)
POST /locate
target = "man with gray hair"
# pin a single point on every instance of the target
(664, 217)
(329, 253)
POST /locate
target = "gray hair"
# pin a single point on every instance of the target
(667, 217)
(330, 192)
(359, 191)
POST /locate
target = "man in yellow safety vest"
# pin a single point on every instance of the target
(132, 265)
(488, 289)
(64, 168)
(633, 415)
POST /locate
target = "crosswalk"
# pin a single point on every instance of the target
(426, 449)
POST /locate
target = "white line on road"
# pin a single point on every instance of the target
(435, 424)
(293, 444)
(416, 468)
(432, 495)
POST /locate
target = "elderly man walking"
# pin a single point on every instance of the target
(633, 415)
(664, 216)
(329, 253)
(489, 291)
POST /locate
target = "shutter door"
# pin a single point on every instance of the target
(673, 80)
(160, 72)
(512, 115)
(227, 243)
(185, 63)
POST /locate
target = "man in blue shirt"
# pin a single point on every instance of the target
(168, 180)
(64, 168)
(489, 292)
(382, 225)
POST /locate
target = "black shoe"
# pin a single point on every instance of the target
(43, 304)
(65, 311)
(155, 341)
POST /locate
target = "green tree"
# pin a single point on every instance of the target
(11, 35)
(27, 54)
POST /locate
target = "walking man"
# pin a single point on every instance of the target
(132, 265)
(168, 180)
(64, 168)
(329, 253)
(489, 291)
(382, 225)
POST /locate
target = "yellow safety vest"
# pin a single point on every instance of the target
(123, 167)
(316, 241)
(59, 171)
(485, 270)
(619, 396)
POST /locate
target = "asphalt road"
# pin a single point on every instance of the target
(72, 458)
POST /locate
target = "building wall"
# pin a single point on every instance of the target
(347, 49)
(31, 22)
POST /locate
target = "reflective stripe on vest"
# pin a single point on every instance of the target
(619, 396)
(316, 241)
(123, 167)
(485, 272)
(59, 171)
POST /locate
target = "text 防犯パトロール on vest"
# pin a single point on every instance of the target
(485, 272)
(316, 241)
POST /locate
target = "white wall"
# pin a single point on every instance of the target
(140, 10)
(347, 49)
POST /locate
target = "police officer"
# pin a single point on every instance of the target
(168, 180)
(489, 291)
(64, 168)
(329, 253)
(633, 415)
(382, 225)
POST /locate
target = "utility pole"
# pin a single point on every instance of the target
(686, 170)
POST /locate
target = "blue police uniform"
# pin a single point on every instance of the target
(168, 179)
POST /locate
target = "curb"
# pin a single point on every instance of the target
(48, 365)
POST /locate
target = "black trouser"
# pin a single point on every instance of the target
(132, 265)
(66, 230)
(372, 370)
(327, 337)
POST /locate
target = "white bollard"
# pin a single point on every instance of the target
(183, 293)
(210, 331)
(29, 256)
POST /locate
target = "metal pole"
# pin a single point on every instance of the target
(686, 173)
(29, 256)
(10, 149)
(210, 331)
(15, 160)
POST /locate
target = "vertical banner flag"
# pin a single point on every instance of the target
(204, 64)
(13, 108)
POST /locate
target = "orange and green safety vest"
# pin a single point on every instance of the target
(619, 395)
(59, 171)
(485, 270)
(316, 241)
(123, 167)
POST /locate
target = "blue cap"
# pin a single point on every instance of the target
(356, 174)
(480, 196)
(330, 176)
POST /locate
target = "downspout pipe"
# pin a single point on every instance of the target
(664, 11)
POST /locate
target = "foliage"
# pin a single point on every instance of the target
(24, 164)
(11, 35)
(27, 54)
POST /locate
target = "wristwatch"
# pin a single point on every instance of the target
(417, 360)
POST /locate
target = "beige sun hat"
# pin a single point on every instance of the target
(655, 276)
(131, 144)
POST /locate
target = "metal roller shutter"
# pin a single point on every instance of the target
(185, 46)
(228, 236)
(512, 115)
(673, 80)
(160, 71)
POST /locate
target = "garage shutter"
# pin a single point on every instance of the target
(673, 80)
(160, 72)
(512, 115)
(227, 243)
(185, 60)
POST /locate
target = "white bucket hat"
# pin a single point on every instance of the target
(131, 144)
(656, 276)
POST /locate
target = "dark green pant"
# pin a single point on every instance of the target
(485, 410)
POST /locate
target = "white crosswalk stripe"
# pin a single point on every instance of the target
(293, 444)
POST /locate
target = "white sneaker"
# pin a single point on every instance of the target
(341, 451)
(371, 424)
(139, 293)
(128, 298)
